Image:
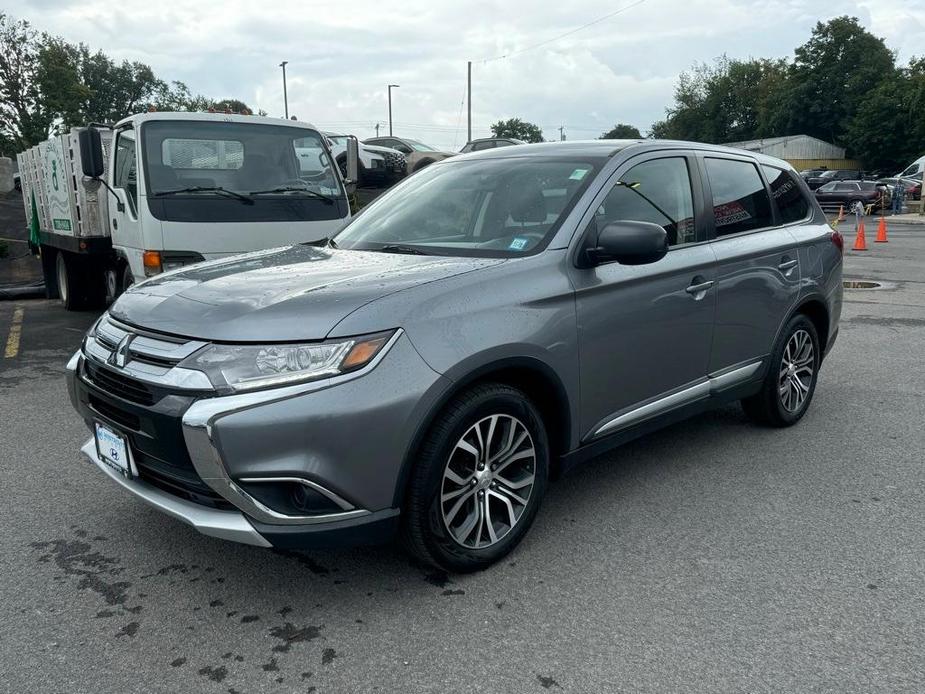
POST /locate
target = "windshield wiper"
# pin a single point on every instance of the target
(207, 189)
(294, 189)
(401, 248)
(325, 242)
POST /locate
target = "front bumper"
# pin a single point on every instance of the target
(347, 436)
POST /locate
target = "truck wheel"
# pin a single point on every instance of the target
(477, 481)
(127, 278)
(69, 277)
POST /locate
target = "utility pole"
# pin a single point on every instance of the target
(561, 133)
(377, 130)
(469, 102)
(285, 95)
(390, 106)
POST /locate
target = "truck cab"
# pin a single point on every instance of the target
(113, 205)
(187, 187)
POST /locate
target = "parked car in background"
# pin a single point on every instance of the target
(417, 154)
(913, 186)
(850, 194)
(483, 325)
(490, 143)
(834, 175)
(914, 169)
(812, 173)
(375, 165)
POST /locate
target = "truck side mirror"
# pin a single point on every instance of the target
(91, 152)
(353, 153)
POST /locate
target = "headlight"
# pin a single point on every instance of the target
(248, 367)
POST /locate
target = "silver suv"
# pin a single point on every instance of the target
(483, 326)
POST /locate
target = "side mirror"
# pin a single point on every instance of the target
(353, 154)
(629, 243)
(91, 152)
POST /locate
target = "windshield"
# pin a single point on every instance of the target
(828, 174)
(419, 146)
(483, 207)
(220, 171)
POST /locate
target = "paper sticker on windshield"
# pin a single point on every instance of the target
(578, 174)
(518, 243)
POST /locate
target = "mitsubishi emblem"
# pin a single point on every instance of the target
(120, 355)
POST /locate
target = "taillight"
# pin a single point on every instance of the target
(839, 241)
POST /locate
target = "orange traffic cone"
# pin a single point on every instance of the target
(881, 231)
(860, 243)
(841, 213)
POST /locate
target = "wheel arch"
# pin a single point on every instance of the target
(814, 308)
(536, 379)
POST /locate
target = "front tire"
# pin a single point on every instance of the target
(478, 480)
(791, 379)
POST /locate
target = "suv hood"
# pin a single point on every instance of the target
(280, 295)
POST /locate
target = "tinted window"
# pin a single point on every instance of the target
(657, 191)
(786, 192)
(845, 187)
(740, 202)
(125, 175)
(479, 146)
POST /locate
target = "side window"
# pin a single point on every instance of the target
(125, 167)
(657, 191)
(787, 194)
(740, 202)
(479, 146)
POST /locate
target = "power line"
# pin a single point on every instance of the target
(567, 33)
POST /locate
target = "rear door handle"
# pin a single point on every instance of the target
(787, 265)
(698, 288)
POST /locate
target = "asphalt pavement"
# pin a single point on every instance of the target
(713, 556)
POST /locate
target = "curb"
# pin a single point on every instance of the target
(36, 291)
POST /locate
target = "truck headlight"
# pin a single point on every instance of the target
(249, 367)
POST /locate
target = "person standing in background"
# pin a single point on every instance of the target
(899, 192)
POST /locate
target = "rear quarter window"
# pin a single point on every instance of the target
(787, 194)
(740, 202)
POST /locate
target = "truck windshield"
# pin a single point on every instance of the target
(483, 207)
(215, 171)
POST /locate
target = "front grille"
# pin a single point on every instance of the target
(117, 415)
(180, 482)
(119, 385)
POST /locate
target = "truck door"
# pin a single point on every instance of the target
(123, 207)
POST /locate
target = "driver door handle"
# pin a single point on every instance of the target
(701, 287)
(787, 265)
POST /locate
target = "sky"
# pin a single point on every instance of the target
(342, 57)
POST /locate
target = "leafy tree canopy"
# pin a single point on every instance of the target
(518, 129)
(622, 131)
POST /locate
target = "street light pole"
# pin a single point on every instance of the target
(390, 107)
(285, 95)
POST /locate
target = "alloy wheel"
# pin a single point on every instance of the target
(796, 371)
(487, 481)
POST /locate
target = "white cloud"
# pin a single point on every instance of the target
(341, 57)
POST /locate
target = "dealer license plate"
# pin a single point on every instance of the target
(112, 449)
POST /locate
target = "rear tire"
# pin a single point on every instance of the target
(478, 480)
(69, 277)
(793, 370)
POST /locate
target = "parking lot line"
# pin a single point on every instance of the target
(12, 342)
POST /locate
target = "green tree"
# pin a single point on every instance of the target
(518, 129)
(831, 75)
(176, 96)
(233, 105)
(23, 121)
(888, 130)
(622, 131)
(726, 101)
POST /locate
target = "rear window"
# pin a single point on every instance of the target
(740, 202)
(787, 194)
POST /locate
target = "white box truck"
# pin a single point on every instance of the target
(109, 206)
